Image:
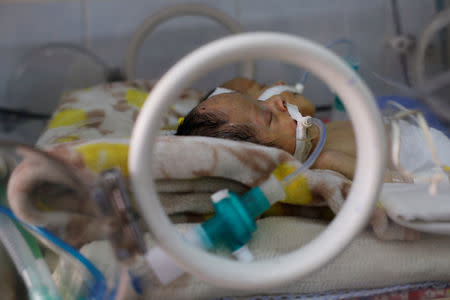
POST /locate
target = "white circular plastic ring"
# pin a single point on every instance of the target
(354, 215)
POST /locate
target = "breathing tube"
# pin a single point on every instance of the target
(75, 276)
(313, 156)
(95, 284)
(26, 255)
(231, 227)
(19, 239)
(303, 144)
(34, 271)
(303, 141)
(92, 287)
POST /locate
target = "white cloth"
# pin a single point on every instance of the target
(414, 152)
(412, 206)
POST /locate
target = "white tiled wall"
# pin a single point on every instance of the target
(105, 27)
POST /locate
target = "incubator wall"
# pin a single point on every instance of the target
(105, 29)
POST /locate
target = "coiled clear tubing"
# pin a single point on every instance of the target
(313, 157)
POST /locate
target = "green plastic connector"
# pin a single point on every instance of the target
(234, 221)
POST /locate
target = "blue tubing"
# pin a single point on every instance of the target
(98, 291)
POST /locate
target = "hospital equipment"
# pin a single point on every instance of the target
(85, 281)
(34, 270)
(394, 120)
(36, 275)
(303, 143)
(232, 226)
(249, 43)
(438, 105)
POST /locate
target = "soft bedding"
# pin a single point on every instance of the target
(89, 132)
(90, 129)
(367, 263)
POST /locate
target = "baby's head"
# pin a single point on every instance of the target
(208, 119)
(239, 116)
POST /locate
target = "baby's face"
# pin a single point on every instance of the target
(270, 118)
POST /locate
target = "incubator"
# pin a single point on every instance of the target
(235, 215)
(109, 206)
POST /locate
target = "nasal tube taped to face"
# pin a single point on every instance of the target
(302, 145)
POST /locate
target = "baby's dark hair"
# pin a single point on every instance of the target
(215, 124)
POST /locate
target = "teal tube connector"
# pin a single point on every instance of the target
(234, 221)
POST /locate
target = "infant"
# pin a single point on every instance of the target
(234, 111)
(236, 114)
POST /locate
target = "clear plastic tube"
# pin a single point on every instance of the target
(423, 92)
(97, 287)
(35, 274)
(312, 158)
(79, 278)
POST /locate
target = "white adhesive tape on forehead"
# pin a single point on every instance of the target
(278, 89)
(219, 91)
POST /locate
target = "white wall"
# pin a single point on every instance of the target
(106, 26)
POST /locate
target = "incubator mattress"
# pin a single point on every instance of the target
(368, 267)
